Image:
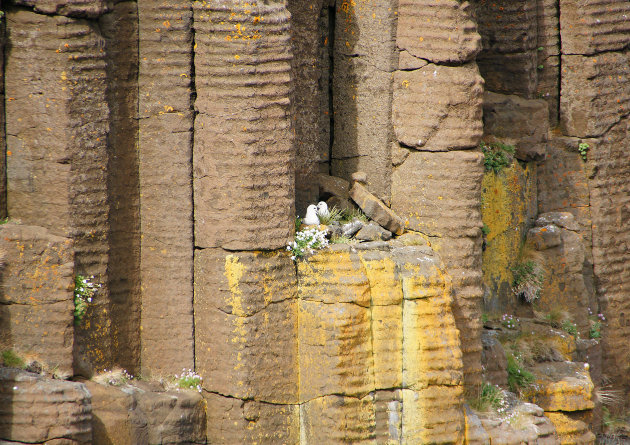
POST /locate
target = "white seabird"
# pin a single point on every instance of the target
(322, 209)
(311, 218)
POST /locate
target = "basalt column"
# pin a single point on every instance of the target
(364, 59)
(243, 177)
(57, 151)
(165, 152)
(594, 109)
(436, 181)
(120, 29)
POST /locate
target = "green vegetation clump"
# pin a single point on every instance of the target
(497, 155)
(583, 148)
(12, 360)
(487, 397)
(569, 328)
(518, 377)
(84, 291)
(528, 279)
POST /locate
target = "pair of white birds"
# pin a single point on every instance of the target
(313, 212)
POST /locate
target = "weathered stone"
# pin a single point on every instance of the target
(545, 344)
(335, 349)
(437, 32)
(359, 177)
(563, 265)
(310, 84)
(475, 432)
(36, 303)
(571, 431)
(545, 237)
(333, 186)
(548, 52)
(120, 29)
(610, 210)
(145, 413)
(523, 423)
(593, 97)
(451, 98)
(364, 57)
(566, 220)
(387, 344)
(438, 193)
(493, 359)
(563, 185)
(73, 8)
(351, 228)
(509, 38)
(561, 386)
(338, 419)
(36, 409)
(375, 209)
(388, 416)
(373, 232)
(243, 175)
(61, 184)
(518, 122)
(433, 415)
(232, 421)
(594, 27)
(165, 132)
(248, 298)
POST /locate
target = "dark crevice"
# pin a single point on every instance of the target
(331, 64)
(193, 99)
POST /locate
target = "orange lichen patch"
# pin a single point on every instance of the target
(506, 197)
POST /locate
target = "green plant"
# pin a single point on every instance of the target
(496, 155)
(487, 396)
(540, 48)
(340, 240)
(583, 148)
(485, 318)
(188, 380)
(12, 360)
(298, 223)
(595, 330)
(569, 327)
(518, 377)
(307, 241)
(528, 279)
(353, 214)
(485, 229)
(541, 66)
(334, 215)
(84, 291)
(6, 219)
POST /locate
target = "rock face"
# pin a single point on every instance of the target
(164, 147)
(166, 201)
(145, 414)
(37, 302)
(35, 409)
(242, 166)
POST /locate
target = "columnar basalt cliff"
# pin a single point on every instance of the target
(161, 149)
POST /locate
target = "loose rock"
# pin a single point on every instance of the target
(376, 210)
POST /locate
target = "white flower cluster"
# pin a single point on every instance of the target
(307, 241)
(189, 379)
